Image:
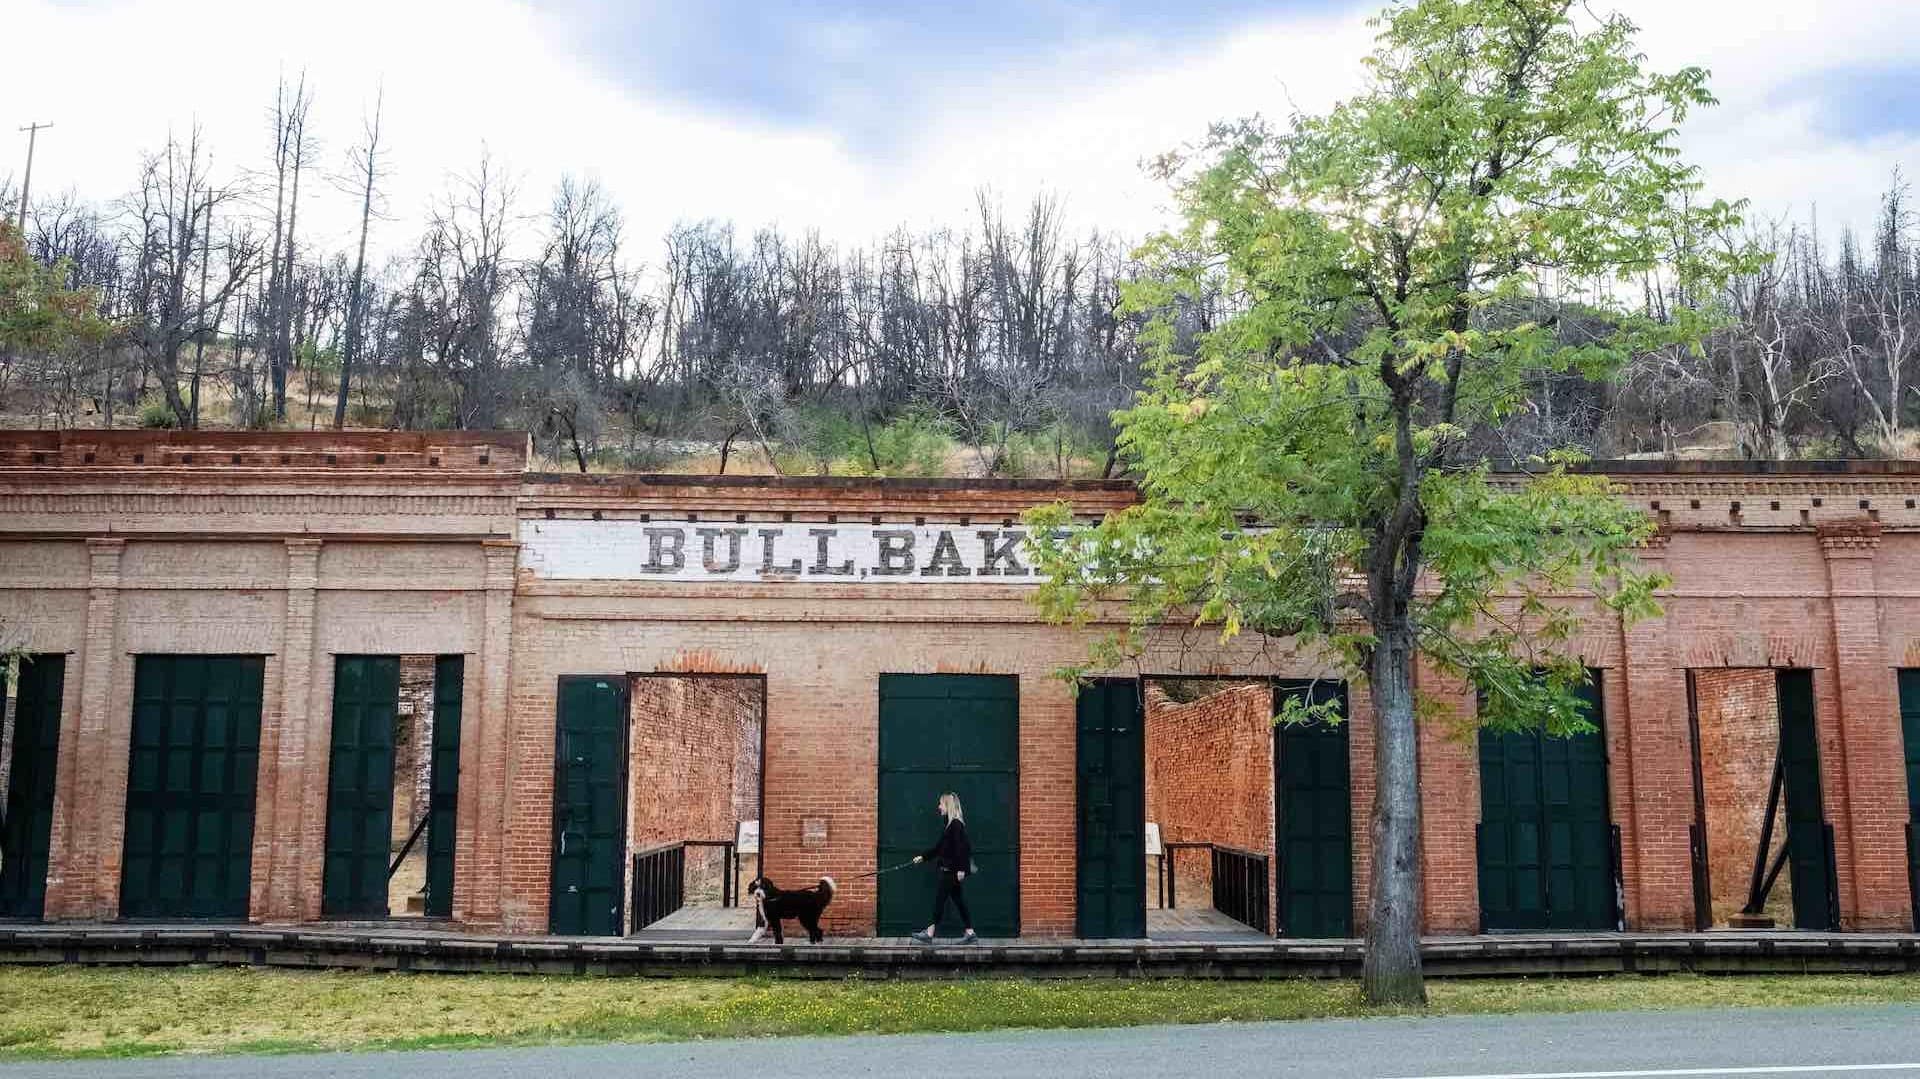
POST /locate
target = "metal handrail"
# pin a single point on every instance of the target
(1166, 875)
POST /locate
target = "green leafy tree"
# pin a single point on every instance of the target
(38, 313)
(1317, 466)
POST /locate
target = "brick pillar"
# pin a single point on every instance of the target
(1867, 784)
(289, 828)
(485, 735)
(1658, 770)
(1360, 734)
(80, 883)
(1449, 804)
(1048, 854)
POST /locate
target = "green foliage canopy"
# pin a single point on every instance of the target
(1317, 464)
(38, 313)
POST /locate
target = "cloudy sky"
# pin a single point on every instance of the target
(855, 116)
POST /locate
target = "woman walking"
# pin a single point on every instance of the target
(952, 858)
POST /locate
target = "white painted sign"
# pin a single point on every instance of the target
(747, 839)
(1153, 840)
(577, 550)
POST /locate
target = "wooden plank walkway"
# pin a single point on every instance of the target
(427, 948)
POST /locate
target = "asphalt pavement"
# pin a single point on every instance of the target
(1851, 1042)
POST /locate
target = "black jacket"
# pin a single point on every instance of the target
(954, 852)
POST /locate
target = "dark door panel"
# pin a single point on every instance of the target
(190, 787)
(1314, 826)
(28, 830)
(1110, 745)
(958, 733)
(589, 806)
(443, 795)
(366, 694)
(1810, 863)
(1546, 832)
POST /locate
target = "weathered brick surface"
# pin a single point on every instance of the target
(1210, 774)
(407, 545)
(1739, 739)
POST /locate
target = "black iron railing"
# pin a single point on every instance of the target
(660, 879)
(1166, 871)
(729, 868)
(1240, 885)
(659, 883)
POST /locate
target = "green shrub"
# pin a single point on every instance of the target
(156, 415)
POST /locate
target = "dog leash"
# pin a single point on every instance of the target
(889, 869)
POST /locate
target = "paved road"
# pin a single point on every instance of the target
(1881, 1041)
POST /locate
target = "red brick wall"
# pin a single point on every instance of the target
(1832, 583)
(694, 758)
(1210, 775)
(1739, 738)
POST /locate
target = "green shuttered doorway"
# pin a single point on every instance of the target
(1111, 810)
(28, 830)
(190, 787)
(958, 733)
(1546, 834)
(1313, 804)
(589, 806)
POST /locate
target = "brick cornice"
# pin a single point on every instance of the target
(1849, 539)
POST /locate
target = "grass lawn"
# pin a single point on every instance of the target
(81, 1012)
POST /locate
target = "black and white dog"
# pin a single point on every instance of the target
(772, 906)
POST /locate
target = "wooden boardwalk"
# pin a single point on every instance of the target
(425, 947)
(733, 925)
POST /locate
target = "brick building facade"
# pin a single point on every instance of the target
(118, 547)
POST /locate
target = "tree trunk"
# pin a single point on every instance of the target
(1391, 971)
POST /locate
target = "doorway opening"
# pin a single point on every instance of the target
(1762, 850)
(1248, 824)
(695, 778)
(393, 781)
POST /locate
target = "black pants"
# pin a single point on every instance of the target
(949, 888)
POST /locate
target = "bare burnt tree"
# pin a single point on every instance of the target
(463, 275)
(364, 171)
(292, 151)
(171, 227)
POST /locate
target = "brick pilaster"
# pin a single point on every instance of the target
(485, 739)
(1658, 772)
(80, 883)
(289, 828)
(1866, 782)
(1449, 803)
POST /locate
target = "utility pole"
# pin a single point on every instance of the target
(26, 184)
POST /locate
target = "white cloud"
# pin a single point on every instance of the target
(460, 73)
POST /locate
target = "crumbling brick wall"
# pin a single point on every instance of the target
(1210, 775)
(1739, 738)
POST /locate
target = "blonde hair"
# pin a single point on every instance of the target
(951, 803)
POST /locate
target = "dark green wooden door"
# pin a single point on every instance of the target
(1809, 847)
(366, 694)
(1314, 819)
(958, 733)
(589, 806)
(1910, 736)
(190, 787)
(1111, 796)
(443, 796)
(28, 830)
(1546, 833)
